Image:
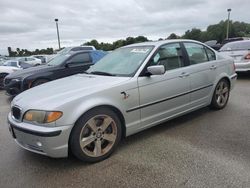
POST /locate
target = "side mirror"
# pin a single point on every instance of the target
(69, 64)
(156, 70)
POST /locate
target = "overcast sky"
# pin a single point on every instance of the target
(30, 23)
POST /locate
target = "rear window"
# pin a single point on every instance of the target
(236, 46)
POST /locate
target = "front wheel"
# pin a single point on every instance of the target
(221, 95)
(95, 135)
(2, 76)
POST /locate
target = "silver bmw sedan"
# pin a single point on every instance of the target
(131, 89)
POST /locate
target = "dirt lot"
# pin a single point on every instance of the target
(202, 149)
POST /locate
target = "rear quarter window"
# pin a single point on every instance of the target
(210, 54)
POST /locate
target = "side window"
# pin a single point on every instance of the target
(170, 56)
(211, 55)
(196, 53)
(80, 59)
(31, 59)
(13, 64)
(22, 59)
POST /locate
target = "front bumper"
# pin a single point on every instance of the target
(13, 87)
(1, 83)
(49, 141)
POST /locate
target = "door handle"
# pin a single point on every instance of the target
(213, 67)
(184, 74)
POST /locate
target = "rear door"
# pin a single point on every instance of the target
(202, 71)
(79, 63)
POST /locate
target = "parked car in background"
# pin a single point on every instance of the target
(9, 67)
(61, 66)
(213, 44)
(3, 59)
(225, 41)
(18, 64)
(75, 49)
(129, 90)
(43, 58)
(240, 52)
(30, 60)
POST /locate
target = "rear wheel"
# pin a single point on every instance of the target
(95, 135)
(39, 82)
(221, 95)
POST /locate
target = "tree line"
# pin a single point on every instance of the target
(24, 52)
(213, 32)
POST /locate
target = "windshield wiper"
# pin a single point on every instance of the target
(102, 73)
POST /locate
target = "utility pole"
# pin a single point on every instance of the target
(228, 20)
(58, 37)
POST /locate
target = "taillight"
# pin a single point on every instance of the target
(234, 67)
(247, 56)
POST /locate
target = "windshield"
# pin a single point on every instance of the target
(57, 60)
(121, 62)
(236, 46)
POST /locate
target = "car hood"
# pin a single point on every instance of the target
(32, 70)
(8, 68)
(54, 94)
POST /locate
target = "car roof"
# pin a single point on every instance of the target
(14, 60)
(79, 52)
(161, 42)
(239, 41)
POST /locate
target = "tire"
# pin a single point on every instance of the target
(221, 95)
(38, 82)
(95, 135)
(2, 76)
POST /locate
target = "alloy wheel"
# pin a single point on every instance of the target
(222, 93)
(98, 135)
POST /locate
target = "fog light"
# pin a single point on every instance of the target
(39, 144)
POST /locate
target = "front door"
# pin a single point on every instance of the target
(164, 96)
(77, 64)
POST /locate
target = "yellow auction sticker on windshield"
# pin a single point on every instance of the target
(139, 50)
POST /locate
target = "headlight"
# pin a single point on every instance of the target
(41, 117)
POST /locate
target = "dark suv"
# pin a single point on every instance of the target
(60, 66)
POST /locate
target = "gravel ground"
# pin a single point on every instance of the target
(202, 149)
